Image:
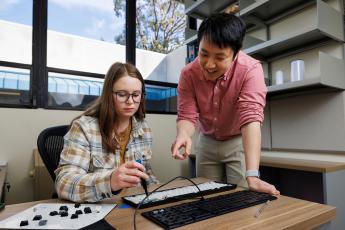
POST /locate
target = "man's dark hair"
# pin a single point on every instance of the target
(224, 30)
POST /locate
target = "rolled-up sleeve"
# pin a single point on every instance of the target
(73, 181)
(186, 100)
(252, 99)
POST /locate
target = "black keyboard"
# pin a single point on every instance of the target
(188, 213)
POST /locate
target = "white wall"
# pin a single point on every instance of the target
(18, 135)
(19, 131)
(175, 62)
(170, 67)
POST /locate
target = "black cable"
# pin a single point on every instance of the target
(142, 201)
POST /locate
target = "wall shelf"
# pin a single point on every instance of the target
(299, 87)
(204, 8)
(266, 10)
(260, 13)
(330, 76)
(277, 46)
(250, 41)
(328, 25)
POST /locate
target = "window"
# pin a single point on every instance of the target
(64, 67)
(16, 52)
(83, 40)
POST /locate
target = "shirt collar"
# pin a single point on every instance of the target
(137, 129)
(229, 71)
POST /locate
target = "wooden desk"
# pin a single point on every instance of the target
(3, 173)
(302, 164)
(312, 180)
(284, 213)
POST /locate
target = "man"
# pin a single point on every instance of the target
(223, 92)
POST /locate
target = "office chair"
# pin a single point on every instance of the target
(50, 144)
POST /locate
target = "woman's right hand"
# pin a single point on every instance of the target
(127, 175)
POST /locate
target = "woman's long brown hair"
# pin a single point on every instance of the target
(103, 107)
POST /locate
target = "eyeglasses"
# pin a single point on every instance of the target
(123, 96)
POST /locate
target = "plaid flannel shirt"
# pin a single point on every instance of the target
(85, 166)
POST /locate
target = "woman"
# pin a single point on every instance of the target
(104, 143)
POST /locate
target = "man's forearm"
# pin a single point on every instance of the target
(185, 127)
(251, 137)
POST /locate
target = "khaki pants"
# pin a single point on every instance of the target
(220, 160)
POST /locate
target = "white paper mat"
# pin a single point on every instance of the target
(98, 212)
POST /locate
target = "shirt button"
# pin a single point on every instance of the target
(215, 119)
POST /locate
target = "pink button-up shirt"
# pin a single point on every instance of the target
(222, 107)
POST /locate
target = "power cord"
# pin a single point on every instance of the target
(136, 209)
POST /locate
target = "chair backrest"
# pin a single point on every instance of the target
(50, 144)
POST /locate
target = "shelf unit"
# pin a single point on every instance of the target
(328, 25)
(305, 115)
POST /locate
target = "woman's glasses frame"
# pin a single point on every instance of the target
(123, 96)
